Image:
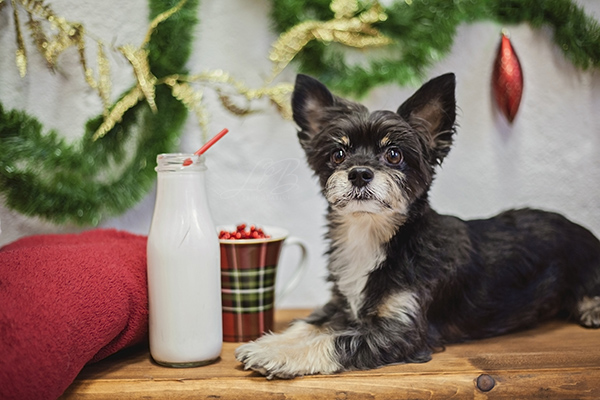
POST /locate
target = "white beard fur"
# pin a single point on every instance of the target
(358, 241)
(360, 229)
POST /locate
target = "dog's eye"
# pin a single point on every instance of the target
(393, 155)
(338, 156)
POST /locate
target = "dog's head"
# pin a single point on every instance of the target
(380, 161)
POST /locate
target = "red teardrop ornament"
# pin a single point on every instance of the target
(507, 79)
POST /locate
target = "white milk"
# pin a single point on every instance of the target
(184, 281)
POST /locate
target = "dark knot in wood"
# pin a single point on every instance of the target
(485, 383)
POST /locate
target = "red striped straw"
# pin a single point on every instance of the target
(206, 146)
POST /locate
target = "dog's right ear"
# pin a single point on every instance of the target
(309, 99)
(432, 112)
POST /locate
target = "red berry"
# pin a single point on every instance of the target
(240, 232)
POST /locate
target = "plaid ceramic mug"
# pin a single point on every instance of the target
(248, 272)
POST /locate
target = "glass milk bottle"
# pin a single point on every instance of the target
(184, 281)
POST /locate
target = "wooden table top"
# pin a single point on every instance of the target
(558, 360)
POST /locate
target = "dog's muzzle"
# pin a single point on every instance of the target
(360, 176)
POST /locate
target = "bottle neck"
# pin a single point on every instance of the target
(183, 184)
(179, 163)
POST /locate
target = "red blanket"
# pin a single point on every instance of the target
(66, 300)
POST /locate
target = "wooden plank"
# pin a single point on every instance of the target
(558, 360)
(561, 384)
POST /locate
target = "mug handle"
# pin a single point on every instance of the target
(300, 267)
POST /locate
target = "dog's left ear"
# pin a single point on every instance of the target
(431, 111)
(309, 100)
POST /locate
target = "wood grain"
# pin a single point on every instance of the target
(557, 360)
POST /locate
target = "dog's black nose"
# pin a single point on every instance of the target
(360, 176)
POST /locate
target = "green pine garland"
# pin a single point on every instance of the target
(423, 32)
(85, 182)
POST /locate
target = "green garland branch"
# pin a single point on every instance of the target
(88, 181)
(423, 33)
(85, 182)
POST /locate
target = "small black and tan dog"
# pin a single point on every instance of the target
(406, 280)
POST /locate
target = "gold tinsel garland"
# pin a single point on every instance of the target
(53, 34)
(79, 197)
(349, 27)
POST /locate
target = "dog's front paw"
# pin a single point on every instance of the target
(301, 350)
(589, 312)
(268, 360)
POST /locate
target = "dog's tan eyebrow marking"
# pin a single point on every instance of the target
(385, 141)
(343, 140)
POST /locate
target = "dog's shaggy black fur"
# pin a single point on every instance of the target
(405, 279)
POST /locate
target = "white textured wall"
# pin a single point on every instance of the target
(546, 159)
